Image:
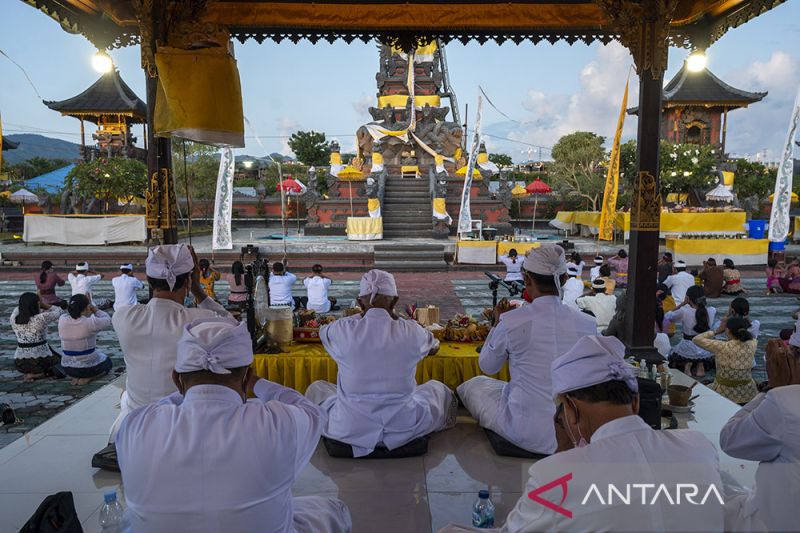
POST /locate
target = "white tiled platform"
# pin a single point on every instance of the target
(403, 495)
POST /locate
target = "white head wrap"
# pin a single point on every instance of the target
(794, 340)
(169, 261)
(680, 264)
(598, 260)
(547, 260)
(593, 360)
(82, 267)
(129, 266)
(599, 284)
(377, 282)
(214, 344)
(572, 270)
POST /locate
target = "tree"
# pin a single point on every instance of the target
(35, 166)
(310, 147)
(201, 168)
(501, 160)
(682, 166)
(576, 169)
(108, 179)
(753, 180)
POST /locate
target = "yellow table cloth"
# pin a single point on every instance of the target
(302, 364)
(741, 251)
(364, 228)
(521, 247)
(476, 252)
(671, 223)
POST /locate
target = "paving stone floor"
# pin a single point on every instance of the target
(453, 292)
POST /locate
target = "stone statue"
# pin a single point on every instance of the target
(504, 192)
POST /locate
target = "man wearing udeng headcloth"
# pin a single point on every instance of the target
(529, 338)
(377, 399)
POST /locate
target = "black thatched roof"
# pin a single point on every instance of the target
(703, 88)
(108, 95)
(8, 145)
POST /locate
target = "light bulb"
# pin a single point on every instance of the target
(696, 61)
(248, 163)
(102, 62)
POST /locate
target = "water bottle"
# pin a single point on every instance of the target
(112, 516)
(483, 511)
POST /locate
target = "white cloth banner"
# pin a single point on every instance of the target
(84, 230)
(779, 220)
(222, 239)
(465, 214)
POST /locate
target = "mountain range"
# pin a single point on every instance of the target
(33, 145)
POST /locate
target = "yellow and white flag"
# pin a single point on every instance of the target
(609, 210)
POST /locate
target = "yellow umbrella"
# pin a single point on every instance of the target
(795, 198)
(519, 191)
(462, 172)
(350, 174)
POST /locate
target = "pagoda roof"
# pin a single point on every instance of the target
(108, 95)
(8, 145)
(703, 89)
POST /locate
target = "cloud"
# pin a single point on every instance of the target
(593, 107)
(762, 126)
(362, 105)
(285, 127)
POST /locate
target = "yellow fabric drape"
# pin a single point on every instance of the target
(401, 100)
(336, 158)
(727, 178)
(522, 248)
(483, 157)
(199, 96)
(609, 210)
(302, 364)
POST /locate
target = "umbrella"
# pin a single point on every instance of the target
(536, 188)
(720, 193)
(350, 174)
(462, 172)
(24, 196)
(795, 198)
(519, 191)
(291, 186)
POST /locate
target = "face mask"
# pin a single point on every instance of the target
(581, 443)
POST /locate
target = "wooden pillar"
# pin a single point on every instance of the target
(645, 220)
(162, 213)
(83, 142)
(724, 130)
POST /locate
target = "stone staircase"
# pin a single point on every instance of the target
(410, 257)
(406, 210)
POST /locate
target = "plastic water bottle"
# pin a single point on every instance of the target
(483, 511)
(112, 516)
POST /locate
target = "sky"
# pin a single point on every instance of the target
(547, 90)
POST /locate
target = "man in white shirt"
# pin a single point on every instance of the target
(377, 400)
(206, 459)
(317, 285)
(513, 266)
(679, 282)
(603, 446)
(280, 286)
(768, 430)
(82, 280)
(125, 287)
(573, 288)
(601, 305)
(529, 338)
(594, 273)
(148, 334)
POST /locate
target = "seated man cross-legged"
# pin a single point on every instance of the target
(377, 400)
(529, 338)
(206, 459)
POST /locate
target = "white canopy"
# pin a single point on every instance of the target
(720, 193)
(24, 196)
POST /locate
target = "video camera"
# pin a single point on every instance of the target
(513, 287)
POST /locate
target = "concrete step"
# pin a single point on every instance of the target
(406, 194)
(411, 225)
(404, 255)
(422, 187)
(415, 266)
(408, 234)
(404, 200)
(379, 248)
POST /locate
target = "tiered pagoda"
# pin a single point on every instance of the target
(695, 108)
(114, 108)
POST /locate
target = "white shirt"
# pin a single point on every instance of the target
(686, 316)
(594, 273)
(210, 462)
(377, 358)
(280, 289)
(571, 291)
(530, 338)
(148, 335)
(513, 268)
(317, 289)
(125, 288)
(624, 450)
(602, 305)
(768, 430)
(82, 284)
(79, 339)
(679, 283)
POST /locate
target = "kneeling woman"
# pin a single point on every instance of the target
(734, 359)
(30, 319)
(78, 329)
(695, 318)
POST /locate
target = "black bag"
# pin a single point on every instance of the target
(56, 514)
(650, 402)
(106, 459)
